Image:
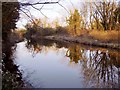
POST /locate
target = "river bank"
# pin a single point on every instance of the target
(86, 40)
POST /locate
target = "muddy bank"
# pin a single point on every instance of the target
(86, 40)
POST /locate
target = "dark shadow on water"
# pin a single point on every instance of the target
(11, 77)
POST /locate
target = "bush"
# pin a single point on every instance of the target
(61, 30)
(47, 31)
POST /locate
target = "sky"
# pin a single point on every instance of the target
(52, 11)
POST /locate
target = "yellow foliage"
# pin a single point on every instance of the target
(74, 22)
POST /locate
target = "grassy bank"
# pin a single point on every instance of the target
(105, 36)
(109, 39)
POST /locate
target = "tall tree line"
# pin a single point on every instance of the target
(103, 15)
(107, 13)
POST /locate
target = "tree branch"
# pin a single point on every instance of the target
(28, 4)
(39, 10)
(43, 3)
(63, 7)
(28, 16)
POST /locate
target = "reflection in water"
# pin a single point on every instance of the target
(100, 67)
(35, 46)
(74, 53)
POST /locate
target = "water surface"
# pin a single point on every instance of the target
(50, 64)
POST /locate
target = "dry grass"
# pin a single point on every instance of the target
(81, 32)
(105, 35)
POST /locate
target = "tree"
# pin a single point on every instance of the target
(117, 16)
(10, 15)
(56, 23)
(91, 8)
(84, 14)
(33, 27)
(105, 13)
(74, 22)
(45, 22)
(11, 76)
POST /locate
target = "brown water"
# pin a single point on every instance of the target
(51, 64)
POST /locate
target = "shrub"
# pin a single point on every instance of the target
(61, 30)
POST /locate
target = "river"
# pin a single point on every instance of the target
(52, 64)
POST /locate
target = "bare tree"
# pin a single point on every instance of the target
(105, 13)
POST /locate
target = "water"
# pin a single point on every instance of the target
(51, 64)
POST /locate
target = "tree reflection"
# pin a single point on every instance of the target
(36, 45)
(99, 66)
(33, 46)
(74, 53)
(103, 67)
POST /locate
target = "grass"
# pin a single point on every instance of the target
(105, 35)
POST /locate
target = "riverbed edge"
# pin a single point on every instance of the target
(80, 41)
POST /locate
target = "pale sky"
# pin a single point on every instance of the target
(52, 11)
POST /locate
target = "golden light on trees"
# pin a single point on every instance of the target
(74, 22)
